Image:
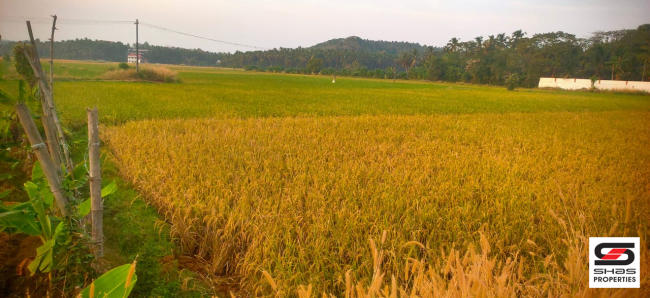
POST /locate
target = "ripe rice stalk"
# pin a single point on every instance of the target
(462, 204)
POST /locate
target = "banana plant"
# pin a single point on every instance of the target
(117, 283)
(35, 217)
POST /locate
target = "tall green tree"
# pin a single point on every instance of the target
(314, 65)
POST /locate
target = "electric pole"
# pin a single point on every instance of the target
(137, 50)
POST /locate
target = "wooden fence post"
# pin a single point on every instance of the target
(48, 101)
(52, 56)
(49, 168)
(48, 122)
(96, 203)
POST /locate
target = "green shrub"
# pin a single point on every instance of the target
(21, 63)
(160, 74)
(593, 80)
(512, 81)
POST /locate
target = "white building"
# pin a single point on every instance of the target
(141, 58)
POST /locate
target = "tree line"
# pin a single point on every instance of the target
(358, 44)
(497, 60)
(100, 50)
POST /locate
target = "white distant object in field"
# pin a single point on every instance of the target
(333, 81)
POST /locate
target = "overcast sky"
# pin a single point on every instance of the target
(293, 23)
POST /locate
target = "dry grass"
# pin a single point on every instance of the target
(480, 205)
(157, 74)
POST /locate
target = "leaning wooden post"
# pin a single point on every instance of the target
(48, 106)
(49, 168)
(47, 120)
(52, 56)
(96, 208)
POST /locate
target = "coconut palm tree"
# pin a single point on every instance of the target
(491, 43)
(415, 54)
(452, 45)
(429, 55)
(516, 36)
(430, 52)
(617, 65)
(479, 41)
(502, 40)
(405, 60)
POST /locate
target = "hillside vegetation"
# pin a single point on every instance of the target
(515, 59)
(355, 43)
(499, 59)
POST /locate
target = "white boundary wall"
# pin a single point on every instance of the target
(575, 84)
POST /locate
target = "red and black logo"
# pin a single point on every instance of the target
(612, 257)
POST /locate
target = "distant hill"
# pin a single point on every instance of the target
(373, 46)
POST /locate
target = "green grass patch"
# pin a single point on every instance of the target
(235, 94)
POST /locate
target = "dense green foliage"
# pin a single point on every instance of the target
(78, 49)
(118, 282)
(354, 43)
(621, 55)
(173, 55)
(100, 50)
(64, 253)
(22, 66)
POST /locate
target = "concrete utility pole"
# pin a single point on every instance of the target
(137, 51)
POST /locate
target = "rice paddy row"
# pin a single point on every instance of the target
(279, 205)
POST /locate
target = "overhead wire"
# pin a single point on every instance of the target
(71, 21)
(16, 20)
(201, 37)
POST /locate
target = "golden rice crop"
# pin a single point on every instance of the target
(480, 205)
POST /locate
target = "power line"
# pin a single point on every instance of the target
(201, 37)
(20, 20)
(60, 21)
(49, 20)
